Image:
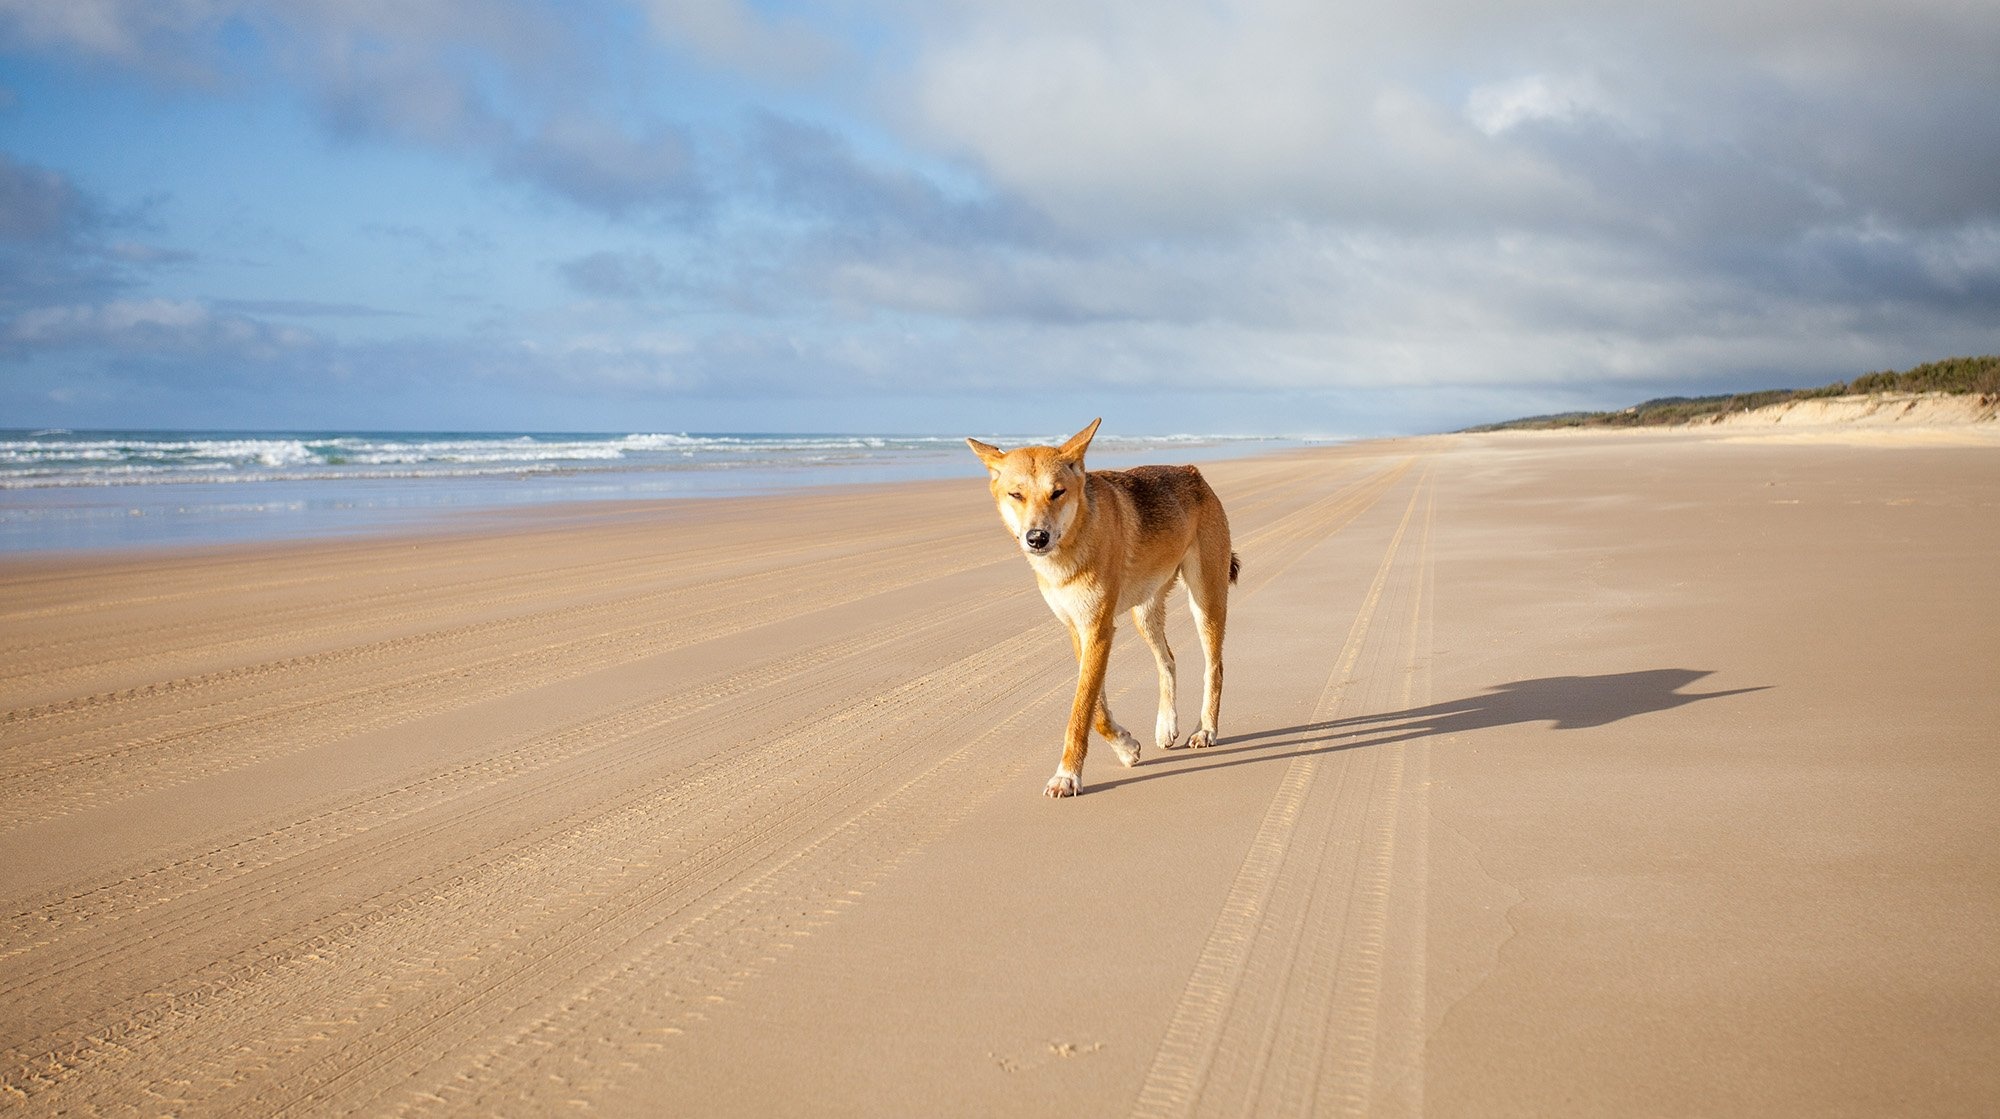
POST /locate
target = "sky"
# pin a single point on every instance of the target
(1304, 217)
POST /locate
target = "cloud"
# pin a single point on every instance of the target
(613, 275)
(459, 241)
(155, 327)
(1105, 114)
(40, 205)
(1276, 110)
(511, 84)
(741, 36)
(306, 308)
(1502, 106)
(196, 41)
(140, 32)
(604, 167)
(58, 242)
(809, 172)
(503, 84)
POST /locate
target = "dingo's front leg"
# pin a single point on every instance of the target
(1093, 657)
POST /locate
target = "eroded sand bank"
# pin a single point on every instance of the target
(1562, 775)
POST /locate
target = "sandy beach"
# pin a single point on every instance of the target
(1561, 774)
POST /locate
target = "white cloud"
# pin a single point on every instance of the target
(1124, 116)
(114, 28)
(738, 34)
(1107, 113)
(166, 327)
(1499, 107)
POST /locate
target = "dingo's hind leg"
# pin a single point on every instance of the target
(1151, 618)
(1208, 571)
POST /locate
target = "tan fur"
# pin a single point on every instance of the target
(1113, 540)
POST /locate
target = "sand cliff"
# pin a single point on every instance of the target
(1872, 410)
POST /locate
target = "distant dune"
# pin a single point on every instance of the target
(1873, 409)
(1901, 419)
(1952, 392)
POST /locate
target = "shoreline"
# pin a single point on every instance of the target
(406, 526)
(86, 520)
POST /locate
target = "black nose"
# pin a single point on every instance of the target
(1037, 538)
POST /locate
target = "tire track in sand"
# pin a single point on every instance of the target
(255, 627)
(393, 694)
(117, 587)
(174, 691)
(1283, 1011)
(455, 940)
(362, 830)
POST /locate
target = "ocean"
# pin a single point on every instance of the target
(92, 490)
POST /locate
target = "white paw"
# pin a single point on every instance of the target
(1064, 785)
(1165, 732)
(1127, 749)
(1201, 739)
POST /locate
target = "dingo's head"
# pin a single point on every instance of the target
(1038, 489)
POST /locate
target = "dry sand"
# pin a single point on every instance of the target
(1585, 775)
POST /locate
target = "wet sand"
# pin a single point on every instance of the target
(1561, 774)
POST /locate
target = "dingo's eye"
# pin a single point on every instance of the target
(1059, 491)
(1017, 497)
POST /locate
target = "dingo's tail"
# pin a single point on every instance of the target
(1235, 565)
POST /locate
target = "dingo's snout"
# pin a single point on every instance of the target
(1037, 540)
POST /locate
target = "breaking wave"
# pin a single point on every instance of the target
(58, 458)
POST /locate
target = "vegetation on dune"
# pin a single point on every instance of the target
(1953, 374)
(1979, 375)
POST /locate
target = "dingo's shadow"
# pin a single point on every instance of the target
(1565, 702)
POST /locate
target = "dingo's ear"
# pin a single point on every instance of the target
(1072, 451)
(987, 452)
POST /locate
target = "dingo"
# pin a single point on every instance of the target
(1109, 540)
